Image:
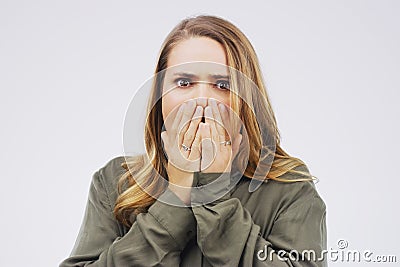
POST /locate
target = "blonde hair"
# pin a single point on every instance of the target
(240, 56)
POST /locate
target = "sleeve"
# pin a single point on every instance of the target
(227, 235)
(156, 238)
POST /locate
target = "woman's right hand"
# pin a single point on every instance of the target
(181, 163)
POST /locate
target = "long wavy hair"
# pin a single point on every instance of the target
(143, 171)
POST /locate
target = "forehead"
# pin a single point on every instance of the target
(199, 70)
(197, 49)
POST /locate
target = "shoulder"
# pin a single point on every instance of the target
(281, 196)
(275, 199)
(107, 176)
(299, 196)
(112, 167)
(295, 193)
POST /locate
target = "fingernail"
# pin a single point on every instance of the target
(222, 106)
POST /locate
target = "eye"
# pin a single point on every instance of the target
(223, 85)
(181, 82)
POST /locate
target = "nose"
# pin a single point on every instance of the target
(202, 93)
(201, 101)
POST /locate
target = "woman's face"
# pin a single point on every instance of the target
(207, 80)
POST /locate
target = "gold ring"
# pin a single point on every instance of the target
(226, 142)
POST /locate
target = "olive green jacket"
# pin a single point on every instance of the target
(279, 224)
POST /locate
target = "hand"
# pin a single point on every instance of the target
(218, 127)
(206, 154)
(181, 163)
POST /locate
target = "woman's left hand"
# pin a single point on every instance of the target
(217, 157)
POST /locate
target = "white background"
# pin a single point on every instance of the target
(70, 68)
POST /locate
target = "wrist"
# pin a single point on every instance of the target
(183, 193)
(211, 187)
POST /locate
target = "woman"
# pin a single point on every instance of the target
(187, 201)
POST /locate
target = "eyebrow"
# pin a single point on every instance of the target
(191, 75)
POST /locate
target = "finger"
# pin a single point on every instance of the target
(194, 124)
(185, 120)
(227, 119)
(189, 136)
(209, 119)
(195, 152)
(177, 119)
(235, 149)
(218, 120)
(206, 146)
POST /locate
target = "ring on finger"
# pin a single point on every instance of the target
(225, 143)
(186, 148)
